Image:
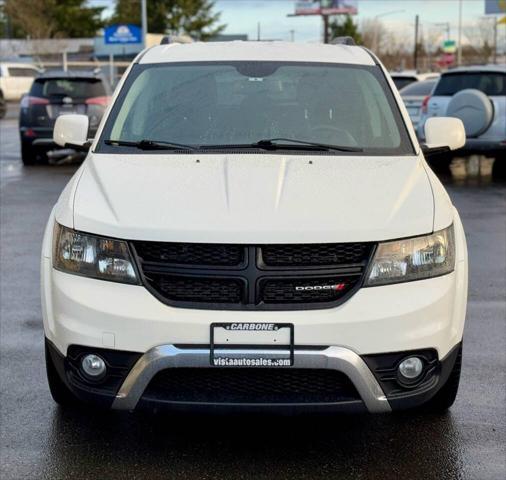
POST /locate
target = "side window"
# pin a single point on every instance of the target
(22, 72)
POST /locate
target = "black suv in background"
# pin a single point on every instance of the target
(55, 93)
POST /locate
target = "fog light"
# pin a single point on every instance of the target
(411, 368)
(93, 366)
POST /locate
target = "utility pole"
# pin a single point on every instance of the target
(292, 35)
(459, 51)
(258, 31)
(144, 21)
(495, 41)
(325, 28)
(415, 54)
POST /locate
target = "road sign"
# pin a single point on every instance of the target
(123, 34)
(326, 7)
(446, 59)
(449, 46)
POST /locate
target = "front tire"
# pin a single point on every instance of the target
(445, 397)
(59, 391)
(28, 154)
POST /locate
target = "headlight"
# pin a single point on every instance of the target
(413, 258)
(92, 256)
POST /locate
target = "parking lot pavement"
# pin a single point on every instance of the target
(38, 440)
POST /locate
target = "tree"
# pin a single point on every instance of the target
(192, 17)
(52, 18)
(344, 26)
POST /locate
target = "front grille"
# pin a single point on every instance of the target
(314, 254)
(251, 385)
(191, 253)
(252, 277)
(189, 289)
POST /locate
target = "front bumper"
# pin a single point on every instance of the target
(409, 316)
(127, 384)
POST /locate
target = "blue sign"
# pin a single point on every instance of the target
(122, 34)
(495, 7)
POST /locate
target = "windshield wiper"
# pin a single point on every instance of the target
(291, 144)
(150, 144)
(266, 144)
(272, 143)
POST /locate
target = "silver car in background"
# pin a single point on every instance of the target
(476, 95)
(406, 77)
(414, 95)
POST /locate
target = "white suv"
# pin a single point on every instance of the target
(16, 79)
(255, 226)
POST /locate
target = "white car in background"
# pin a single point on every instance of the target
(16, 79)
(476, 95)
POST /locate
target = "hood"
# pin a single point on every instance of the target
(253, 198)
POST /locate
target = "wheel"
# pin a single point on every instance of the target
(499, 169)
(445, 398)
(28, 154)
(59, 391)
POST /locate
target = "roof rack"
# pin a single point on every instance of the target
(343, 41)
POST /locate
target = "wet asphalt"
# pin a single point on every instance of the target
(38, 440)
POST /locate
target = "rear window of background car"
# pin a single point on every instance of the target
(418, 88)
(68, 87)
(22, 72)
(489, 83)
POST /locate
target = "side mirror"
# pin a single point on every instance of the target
(443, 134)
(71, 131)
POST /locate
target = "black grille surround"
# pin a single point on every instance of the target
(252, 277)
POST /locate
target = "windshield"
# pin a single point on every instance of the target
(490, 83)
(239, 103)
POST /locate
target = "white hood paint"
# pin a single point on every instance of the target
(253, 198)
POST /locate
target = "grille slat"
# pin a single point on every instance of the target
(252, 277)
(207, 290)
(252, 385)
(191, 253)
(319, 255)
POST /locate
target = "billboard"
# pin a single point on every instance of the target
(123, 34)
(326, 7)
(307, 7)
(495, 7)
(335, 7)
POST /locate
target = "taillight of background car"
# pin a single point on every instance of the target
(28, 101)
(425, 104)
(104, 101)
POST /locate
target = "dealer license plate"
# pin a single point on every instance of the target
(252, 344)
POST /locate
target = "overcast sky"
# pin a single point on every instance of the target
(242, 16)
